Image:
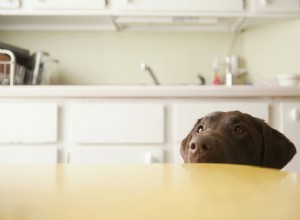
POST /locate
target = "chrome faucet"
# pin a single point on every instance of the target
(147, 68)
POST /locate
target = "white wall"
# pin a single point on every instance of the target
(273, 49)
(114, 57)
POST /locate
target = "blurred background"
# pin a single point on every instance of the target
(95, 44)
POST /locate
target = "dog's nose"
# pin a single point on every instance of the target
(200, 144)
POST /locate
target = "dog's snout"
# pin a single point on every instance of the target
(201, 145)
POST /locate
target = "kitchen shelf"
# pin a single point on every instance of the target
(149, 91)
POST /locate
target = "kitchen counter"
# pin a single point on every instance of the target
(77, 124)
(190, 191)
(141, 91)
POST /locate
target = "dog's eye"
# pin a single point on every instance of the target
(239, 129)
(200, 129)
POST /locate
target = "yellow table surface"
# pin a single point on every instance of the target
(155, 191)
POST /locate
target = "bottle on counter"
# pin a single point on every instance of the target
(216, 80)
(228, 72)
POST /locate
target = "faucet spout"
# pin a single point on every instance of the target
(147, 68)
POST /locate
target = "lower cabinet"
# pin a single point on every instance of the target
(122, 131)
(31, 122)
(290, 126)
(116, 154)
(116, 132)
(28, 155)
(28, 132)
(110, 123)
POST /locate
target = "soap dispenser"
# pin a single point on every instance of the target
(228, 72)
(216, 78)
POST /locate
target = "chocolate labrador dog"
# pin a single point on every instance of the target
(237, 138)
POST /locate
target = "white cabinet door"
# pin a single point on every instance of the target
(290, 121)
(28, 155)
(186, 114)
(9, 4)
(28, 122)
(68, 4)
(93, 123)
(116, 154)
(182, 5)
(277, 6)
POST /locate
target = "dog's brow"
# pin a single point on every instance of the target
(235, 119)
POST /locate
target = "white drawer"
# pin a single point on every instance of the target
(116, 154)
(117, 123)
(186, 114)
(28, 122)
(28, 155)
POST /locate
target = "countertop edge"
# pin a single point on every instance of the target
(147, 91)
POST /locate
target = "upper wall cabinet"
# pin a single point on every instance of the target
(9, 4)
(183, 5)
(55, 15)
(174, 15)
(200, 15)
(68, 4)
(142, 15)
(275, 6)
(17, 7)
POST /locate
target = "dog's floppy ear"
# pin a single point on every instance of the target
(278, 149)
(185, 143)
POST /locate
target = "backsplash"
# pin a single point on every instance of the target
(114, 58)
(273, 49)
(175, 57)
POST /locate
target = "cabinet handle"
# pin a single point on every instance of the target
(295, 115)
(149, 158)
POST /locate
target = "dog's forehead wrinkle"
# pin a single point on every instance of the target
(235, 117)
(232, 119)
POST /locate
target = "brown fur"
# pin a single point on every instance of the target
(237, 138)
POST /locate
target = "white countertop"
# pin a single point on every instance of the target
(147, 91)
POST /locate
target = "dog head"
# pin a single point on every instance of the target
(237, 138)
